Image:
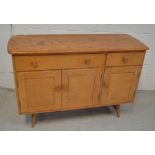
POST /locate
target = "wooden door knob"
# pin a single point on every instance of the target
(125, 60)
(34, 64)
(87, 61)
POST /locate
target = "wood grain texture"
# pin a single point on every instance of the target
(125, 59)
(39, 90)
(64, 72)
(30, 63)
(75, 43)
(119, 84)
(80, 87)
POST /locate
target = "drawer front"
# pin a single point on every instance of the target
(125, 59)
(26, 63)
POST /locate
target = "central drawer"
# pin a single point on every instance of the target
(46, 62)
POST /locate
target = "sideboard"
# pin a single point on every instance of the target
(66, 72)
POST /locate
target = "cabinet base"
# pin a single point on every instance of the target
(33, 116)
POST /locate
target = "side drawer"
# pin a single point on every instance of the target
(46, 62)
(125, 59)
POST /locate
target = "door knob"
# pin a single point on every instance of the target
(34, 64)
(125, 60)
(87, 61)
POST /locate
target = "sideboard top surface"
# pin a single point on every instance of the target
(73, 43)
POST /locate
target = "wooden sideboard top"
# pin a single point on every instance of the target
(73, 43)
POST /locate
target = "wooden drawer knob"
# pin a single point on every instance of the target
(87, 61)
(34, 64)
(125, 60)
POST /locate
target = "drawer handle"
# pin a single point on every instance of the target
(125, 60)
(87, 61)
(34, 64)
(57, 88)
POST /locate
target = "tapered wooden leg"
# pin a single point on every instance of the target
(33, 120)
(117, 109)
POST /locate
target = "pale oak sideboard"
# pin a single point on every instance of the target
(64, 72)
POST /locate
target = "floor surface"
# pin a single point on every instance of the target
(136, 116)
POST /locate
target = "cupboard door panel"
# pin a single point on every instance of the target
(80, 87)
(39, 91)
(119, 84)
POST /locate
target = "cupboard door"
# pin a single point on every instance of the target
(119, 84)
(39, 91)
(80, 87)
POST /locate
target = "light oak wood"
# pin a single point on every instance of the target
(73, 43)
(66, 72)
(33, 121)
(119, 84)
(117, 109)
(80, 87)
(39, 91)
(46, 62)
(125, 59)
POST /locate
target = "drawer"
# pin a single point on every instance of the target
(26, 63)
(125, 59)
